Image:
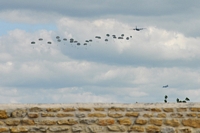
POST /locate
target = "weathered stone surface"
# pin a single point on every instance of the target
(99, 109)
(185, 130)
(132, 114)
(64, 115)
(95, 129)
(88, 121)
(115, 115)
(116, 109)
(67, 122)
(69, 109)
(27, 122)
(152, 129)
(81, 115)
(125, 121)
(47, 115)
(117, 128)
(84, 109)
(191, 115)
(161, 115)
(19, 129)
(3, 114)
(19, 113)
(105, 122)
(12, 122)
(2, 123)
(33, 115)
(168, 109)
(96, 115)
(157, 122)
(195, 109)
(172, 122)
(181, 109)
(176, 115)
(148, 115)
(38, 128)
(140, 121)
(53, 109)
(46, 122)
(191, 123)
(136, 128)
(167, 130)
(3, 129)
(35, 109)
(156, 110)
(58, 128)
(77, 128)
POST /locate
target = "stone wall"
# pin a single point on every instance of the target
(100, 118)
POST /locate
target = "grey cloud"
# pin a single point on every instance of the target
(85, 8)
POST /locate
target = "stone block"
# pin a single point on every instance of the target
(157, 122)
(181, 109)
(132, 114)
(94, 129)
(168, 109)
(195, 123)
(115, 115)
(69, 109)
(116, 109)
(125, 121)
(195, 109)
(167, 130)
(185, 130)
(87, 121)
(3, 114)
(140, 121)
(116, 128)
(77, 128)
(19, 129)
(4, 129)
(84, 109)
(53, 109)
(161, 115)
(19, 113)
(191, 115)
(99, 109)
(172, 122)
(58, 128)
(64, 115)
(96, 115)
(46, 122)
(81, 115)
(176, 115)
(27, 122)
(33, 115)
(105, 122)
(38, 128)
(148, 115)
(35, 109)
(136, 129)
(152, 129)
(156, 110)
(67, 122)
(12, 122)
(47, 114)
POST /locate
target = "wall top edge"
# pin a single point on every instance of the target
(103, 105)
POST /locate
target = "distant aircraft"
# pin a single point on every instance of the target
(138, 29)
(165, 86)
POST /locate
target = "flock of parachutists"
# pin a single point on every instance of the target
(73, 41)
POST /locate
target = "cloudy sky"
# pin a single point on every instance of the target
(166, 52)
